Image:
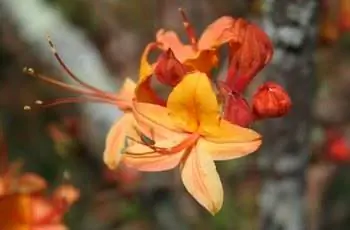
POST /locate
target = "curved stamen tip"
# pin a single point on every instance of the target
(28, 70)
(66, 175)
(27, 107)
(38, 102)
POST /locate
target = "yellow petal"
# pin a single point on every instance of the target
(227, 132)
(143, 158)
(230, 150)
(143, 91)
(204, 60)
(200, 178)
(115, 141)
(193, 104)
(154, 120)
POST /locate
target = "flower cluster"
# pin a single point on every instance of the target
(201, 120)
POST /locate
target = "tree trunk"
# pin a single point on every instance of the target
(284, 157)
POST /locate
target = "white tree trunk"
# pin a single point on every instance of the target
(286, 150)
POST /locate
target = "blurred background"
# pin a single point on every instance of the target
(299, 180)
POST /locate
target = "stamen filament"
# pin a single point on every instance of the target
(67, 69)
(71, 88)
(71, 100)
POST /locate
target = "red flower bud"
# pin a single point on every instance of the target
(271, 100)
(236, 109)
(169, 70)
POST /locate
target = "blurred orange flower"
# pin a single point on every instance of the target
(23, 205)
(344, 16)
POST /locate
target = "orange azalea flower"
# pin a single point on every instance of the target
(24, 207)
(189, 132)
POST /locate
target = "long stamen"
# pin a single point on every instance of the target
(67, 69)
(189, 30)
(70, 100)
(71, 88)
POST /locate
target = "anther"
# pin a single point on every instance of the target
(27, 107)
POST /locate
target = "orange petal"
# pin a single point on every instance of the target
(154, 120)
(30, 182)
(43, 211)
(143, 158)
(193, 104)
(49, 227)
(228, 151)
(199, 175)
(143, 91)
(170, 40)
(115, 141)
(67, 192)
(218, 33)
(202, 60)
(14, 209)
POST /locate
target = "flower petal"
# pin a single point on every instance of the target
(154, 120)
(127, 93)
(201, 60)
(193, 103)
(49, 227)
(115, 141)
(30, 182)
(144, 92)
(229, 150)
(68, 193)
(14, 209)
(204, 61)
(218, 33)
(170, 40)
(144, 158)
(200, 178)
(227, 132)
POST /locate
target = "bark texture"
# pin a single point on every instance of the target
(284, 157)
